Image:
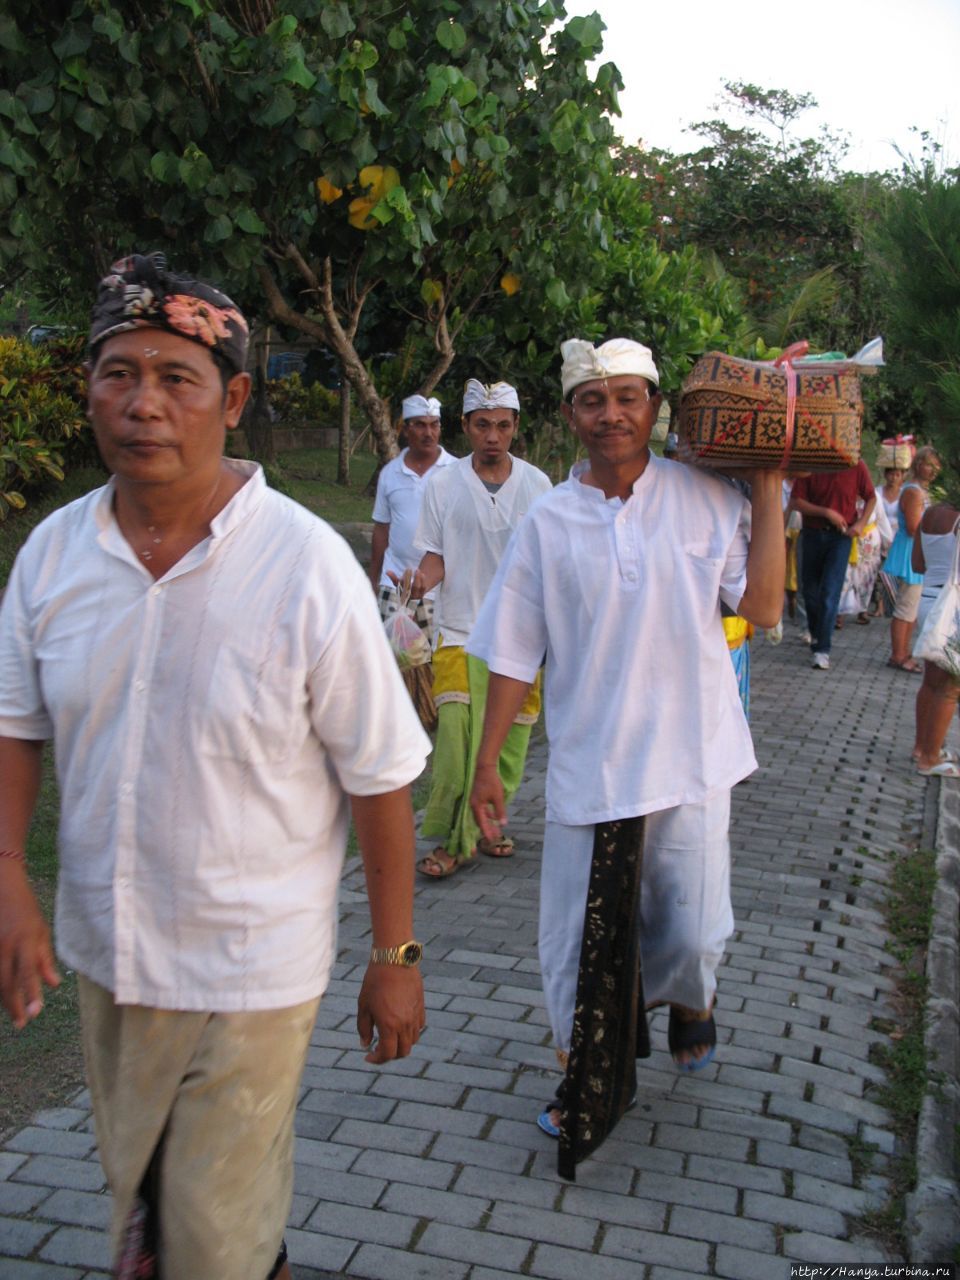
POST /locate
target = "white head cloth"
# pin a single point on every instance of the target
(583, 362)
(421, 407)
(499, 395)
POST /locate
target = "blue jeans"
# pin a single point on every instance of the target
(824, 557)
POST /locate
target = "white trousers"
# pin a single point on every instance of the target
(685, 911)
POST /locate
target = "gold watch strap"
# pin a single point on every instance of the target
(407, 953)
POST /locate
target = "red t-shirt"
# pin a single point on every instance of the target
(838, 490)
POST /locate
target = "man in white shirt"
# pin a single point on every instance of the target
(469, 512)
(211, 669)
(618, 576)
(400, 487)
(396, 513)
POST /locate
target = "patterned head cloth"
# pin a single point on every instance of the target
(141, 293)
(583, 362)
(499, 395)
(421, 407)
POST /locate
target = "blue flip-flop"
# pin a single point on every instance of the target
(691, 1035)
(546, 1124)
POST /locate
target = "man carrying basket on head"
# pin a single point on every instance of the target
(618, 575)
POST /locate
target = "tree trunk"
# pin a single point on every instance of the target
(256, 421)
(331, 332)
(343, 460)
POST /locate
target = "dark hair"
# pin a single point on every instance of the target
(480, 409)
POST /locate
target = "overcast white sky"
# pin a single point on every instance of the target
(876, 67)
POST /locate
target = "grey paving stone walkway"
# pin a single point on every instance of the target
(433, 1168)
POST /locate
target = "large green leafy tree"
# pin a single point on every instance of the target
(917, 258)
(311, 155)
(774, 210)
(623, 284)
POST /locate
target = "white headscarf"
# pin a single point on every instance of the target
(499, 395)
(421, 407)
(583, 362)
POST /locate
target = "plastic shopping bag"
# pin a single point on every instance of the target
(407, 640)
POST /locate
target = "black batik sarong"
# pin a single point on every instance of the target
(609, 1023)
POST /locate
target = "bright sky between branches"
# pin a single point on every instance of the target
(875, 69)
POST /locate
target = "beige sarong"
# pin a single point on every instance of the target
(204, 1103)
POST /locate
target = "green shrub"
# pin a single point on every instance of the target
(42, 399)
(298, 406)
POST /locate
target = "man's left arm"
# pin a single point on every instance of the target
(762, 599)
(391, 998)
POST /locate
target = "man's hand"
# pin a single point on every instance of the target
(411, 583)
(26, 956)
(487, 801)
(836, 519)
(390, 1005)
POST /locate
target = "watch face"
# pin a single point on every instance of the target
(411, 953)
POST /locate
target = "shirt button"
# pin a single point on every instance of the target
(126, 789)
(140, 686)
(154, 591)
(631, 577)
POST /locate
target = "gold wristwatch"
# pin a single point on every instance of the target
(407, 954)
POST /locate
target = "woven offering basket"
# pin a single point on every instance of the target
(734, 414)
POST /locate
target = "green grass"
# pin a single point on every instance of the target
(309, 476)
(908, 909)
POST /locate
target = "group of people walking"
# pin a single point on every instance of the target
(862, 553)
(212, 668)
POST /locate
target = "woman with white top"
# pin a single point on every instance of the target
(933, 552)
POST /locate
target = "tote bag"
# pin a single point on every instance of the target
(939, 638)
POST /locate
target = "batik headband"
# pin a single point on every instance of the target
(141, 293)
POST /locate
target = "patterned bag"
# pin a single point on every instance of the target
(753, 414)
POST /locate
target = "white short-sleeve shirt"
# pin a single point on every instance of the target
(398, 502)
(642, 710)
(470, 527)
(208, 729)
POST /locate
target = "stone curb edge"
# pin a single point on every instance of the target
(933, 1208)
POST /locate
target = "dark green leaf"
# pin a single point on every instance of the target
(74, 40)
(15, 158)
(90, 120)
(295, 72)
(193, 6)
(281, 107)
(10, 35)
(396, 38)
(451, 36)
(165, 167)
(220, 228)
(249, 221)
(133, 113)
(372, 99)
(39, 100)
(336, 20)
(109, 25)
